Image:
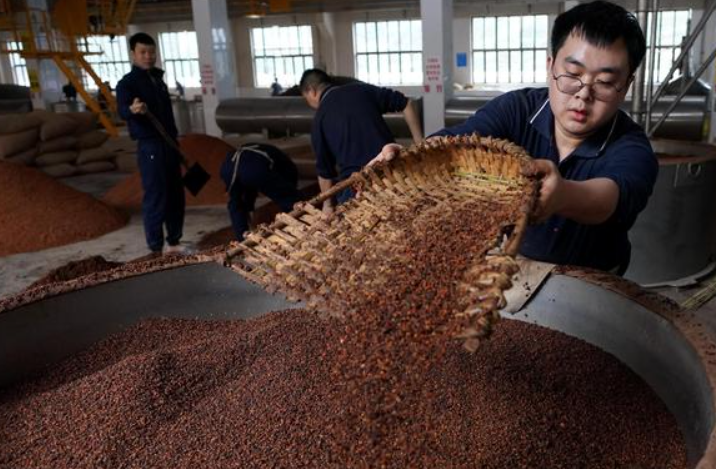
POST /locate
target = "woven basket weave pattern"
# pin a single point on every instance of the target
(321, 260)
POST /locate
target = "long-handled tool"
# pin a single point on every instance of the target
(195, 177)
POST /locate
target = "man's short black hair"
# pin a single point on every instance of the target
(314, 78)
(141, 38)
(601, 23)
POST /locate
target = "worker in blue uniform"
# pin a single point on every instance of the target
(597, 166)
(143, 89)
(257, 168)
(348, 128)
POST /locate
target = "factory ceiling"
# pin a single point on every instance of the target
(174, 10)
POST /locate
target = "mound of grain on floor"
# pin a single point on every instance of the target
(208, 151)
(75, 269)
(38, 212)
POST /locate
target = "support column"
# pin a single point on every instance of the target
(216, 57)
(328, 43)
(437, 61)
(637, 89)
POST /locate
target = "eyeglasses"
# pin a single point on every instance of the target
(602, 91)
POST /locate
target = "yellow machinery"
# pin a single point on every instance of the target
(60, 35)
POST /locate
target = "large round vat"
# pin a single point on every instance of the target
(669, 349)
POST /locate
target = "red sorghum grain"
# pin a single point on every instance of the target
(37, 212)
(75, 269)
(261, 393)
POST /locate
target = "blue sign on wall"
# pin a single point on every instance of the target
(461, 58)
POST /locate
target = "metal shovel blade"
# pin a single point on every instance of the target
(195, 178)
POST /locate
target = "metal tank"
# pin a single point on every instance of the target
(281, 116)
(671, 350)
(673, 238)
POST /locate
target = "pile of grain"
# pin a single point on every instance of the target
(75, 269)
(209, 152)
(37, 212)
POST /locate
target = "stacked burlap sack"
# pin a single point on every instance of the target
(59, 144)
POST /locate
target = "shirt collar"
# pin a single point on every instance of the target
(154, 71)
(543, 121)
(325, 93)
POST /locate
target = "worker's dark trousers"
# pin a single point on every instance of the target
(163, 202)
(255, 175)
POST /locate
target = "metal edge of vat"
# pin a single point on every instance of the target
(38, 332)
(683, 376)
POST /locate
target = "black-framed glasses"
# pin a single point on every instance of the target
(601, 91)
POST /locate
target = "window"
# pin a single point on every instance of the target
(509, 49)
(282, 53)
(180, 59)
(110, 59)
(671, 27)
(18, 65)
(389, 52)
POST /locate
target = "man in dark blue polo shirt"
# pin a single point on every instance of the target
(597, 166)
(140, 90)
(254, 168)
(349, 129)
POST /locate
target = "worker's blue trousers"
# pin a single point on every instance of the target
(163, 201)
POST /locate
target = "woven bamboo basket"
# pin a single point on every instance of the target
(311, 257)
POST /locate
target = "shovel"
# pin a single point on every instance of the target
(195, 176)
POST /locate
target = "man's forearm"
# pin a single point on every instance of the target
(326, 184)
(588, 202)
(412, 118)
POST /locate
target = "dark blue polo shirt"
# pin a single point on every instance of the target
(619, 151)
(348, 129)
(148, 86)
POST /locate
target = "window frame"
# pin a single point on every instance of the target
(106, 54)
(177, 58)
(261, 53)
(519, 48)
(381, 52)
(662, 50)
(18, 65)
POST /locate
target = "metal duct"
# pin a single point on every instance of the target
(283, 115)
(291, 115)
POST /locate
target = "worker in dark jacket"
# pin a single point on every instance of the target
(597, 166)
(139, 91)
(349, 129)
(255, 168)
